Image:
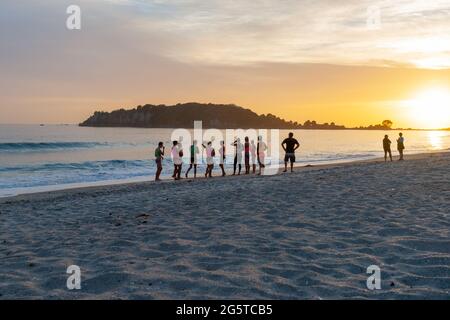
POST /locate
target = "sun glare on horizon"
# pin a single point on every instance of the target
(430, 108)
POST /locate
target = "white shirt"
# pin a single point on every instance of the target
(176, 155)
(253, 150)
(209, 157)
(262, 147)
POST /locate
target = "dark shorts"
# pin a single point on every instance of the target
(289, 157)
(193, 160)
(247, 159)
(158, 163)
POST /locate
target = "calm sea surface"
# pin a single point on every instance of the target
(39, 158)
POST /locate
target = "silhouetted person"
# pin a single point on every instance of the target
(210, 153)
(159, 156)
(387, 147)
(253, 155)
(222, 155)
(177, 157)
(237, 156)
(261, 147)
(400, 145)
(194, 159)
(289, 146)
(247, 155)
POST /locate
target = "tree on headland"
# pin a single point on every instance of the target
(387, 124)
(222, 116)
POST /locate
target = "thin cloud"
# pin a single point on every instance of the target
(240, 32)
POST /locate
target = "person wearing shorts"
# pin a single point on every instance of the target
(261, 148)
(177, 160)
(210, 153)
(289, 145)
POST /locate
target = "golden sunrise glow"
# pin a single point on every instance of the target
(299, 60)
(435, 138)
(433, 63)
(431, 108)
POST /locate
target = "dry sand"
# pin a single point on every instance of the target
(307, 235)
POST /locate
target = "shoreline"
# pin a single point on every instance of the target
(119, 127)
(145, 180)
(311, 234)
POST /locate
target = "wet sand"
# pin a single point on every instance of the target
(307, 235)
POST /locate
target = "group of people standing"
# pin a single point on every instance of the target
(254, 155)
(387, 146)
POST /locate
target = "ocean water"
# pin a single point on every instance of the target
(37, 158)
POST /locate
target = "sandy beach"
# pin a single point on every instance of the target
(307, 235)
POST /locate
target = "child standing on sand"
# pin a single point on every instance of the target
(400, 145)
(159, 156)
(261, 148)
(387, 148)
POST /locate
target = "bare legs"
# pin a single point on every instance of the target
(285, 166)
(158, 174)
(177, 172)
(209, 169)
(261, 169)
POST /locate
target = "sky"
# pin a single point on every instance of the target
(352, 62)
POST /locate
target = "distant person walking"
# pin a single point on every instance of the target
(247, 155)
(210, 154)
(253, 155)
(400, 145)
(159, 156)
(237, 156)
(194, 159)
(289, 145)
(222, 154)
(177, 158)
(387, 148)
(261, 148)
